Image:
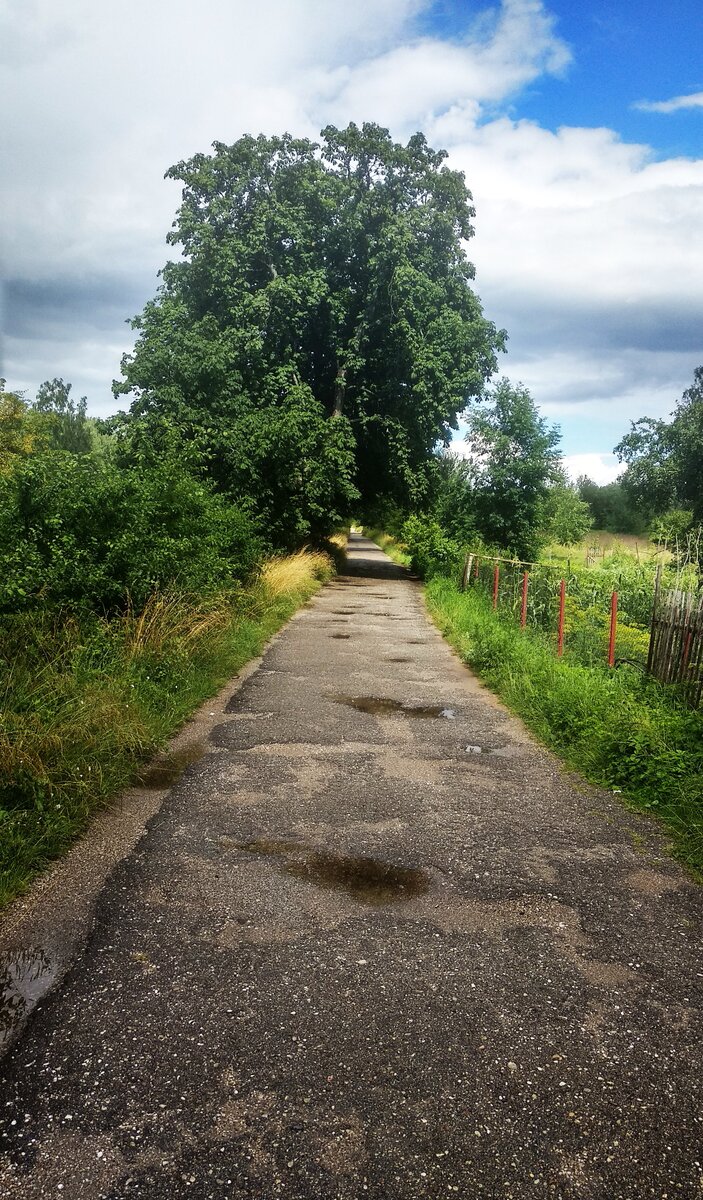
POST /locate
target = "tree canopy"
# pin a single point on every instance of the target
(665, 458)
(323, 305)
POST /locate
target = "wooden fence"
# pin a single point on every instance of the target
(676, 642)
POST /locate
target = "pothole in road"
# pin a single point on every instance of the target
(341, 637)
(25, 975)
(383, 706)
(169, 768)
(397, 658)
(368, 880)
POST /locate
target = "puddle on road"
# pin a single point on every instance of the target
(383, 706)
(25, 975)
(370, 881)
(498, 751)
(169, 768)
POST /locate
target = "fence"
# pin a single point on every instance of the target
(676, 643)
(658, 631)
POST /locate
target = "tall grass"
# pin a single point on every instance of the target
(84, 702)
(619, 729)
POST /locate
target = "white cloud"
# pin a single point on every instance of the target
(601, 468)
(412, 83)
(676, 104)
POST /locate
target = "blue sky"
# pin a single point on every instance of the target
(625, 51)
(588, 243)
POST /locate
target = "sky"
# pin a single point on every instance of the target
(578, 124)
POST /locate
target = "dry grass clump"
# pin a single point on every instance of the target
(168, 618)
(296, 573)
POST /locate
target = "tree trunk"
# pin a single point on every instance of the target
(340, 384)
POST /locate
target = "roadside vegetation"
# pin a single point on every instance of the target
(618, 728)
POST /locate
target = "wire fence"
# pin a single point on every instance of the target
(642, 624)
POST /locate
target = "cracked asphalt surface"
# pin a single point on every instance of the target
(374, 943)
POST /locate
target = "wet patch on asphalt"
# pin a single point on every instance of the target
(384, 706)
(25, 975)
(370, 881)
(167, 770)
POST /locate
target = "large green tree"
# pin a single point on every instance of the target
(333, 274)
(665, 458)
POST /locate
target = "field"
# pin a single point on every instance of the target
(599, 545)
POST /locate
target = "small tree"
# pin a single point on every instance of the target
(66, 420)
(567, 518)
(514, 455)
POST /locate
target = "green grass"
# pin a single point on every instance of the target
(84, 703)
(599, 544)
(617, 728)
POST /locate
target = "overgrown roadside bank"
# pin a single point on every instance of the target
(620, 730)
(85, 702)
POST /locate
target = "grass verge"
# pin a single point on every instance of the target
(394, 549)
(85, 702)
(617, 728)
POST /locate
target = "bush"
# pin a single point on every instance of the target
(82, 532)
(431, 551)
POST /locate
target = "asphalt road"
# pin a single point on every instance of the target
(374, 943)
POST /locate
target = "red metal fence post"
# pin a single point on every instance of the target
(560, 637)
(523, 606)
(613, 628)
(496, 579)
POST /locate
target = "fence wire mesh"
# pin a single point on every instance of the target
(588, 602)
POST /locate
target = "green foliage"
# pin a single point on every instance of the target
(671, 526)
(619, 729)
(566, 518)
(431, 551)
(65, 420)
(665, 459)
(21, 431)
(514, 454)
(611, 507)
(339, 266)
(450, 502)
(79, 531)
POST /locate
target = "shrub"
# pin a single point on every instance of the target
(431, 551)
(82, 532)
